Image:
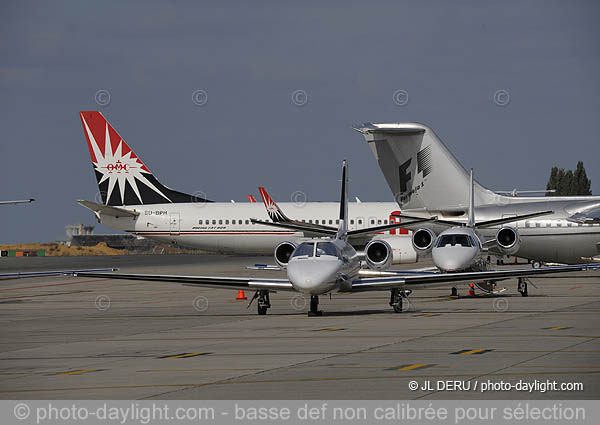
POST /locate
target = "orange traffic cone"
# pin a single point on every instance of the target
(471, 290)
(241, 295)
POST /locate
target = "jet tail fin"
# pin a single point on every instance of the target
(275, 213)
(419, 169)
(123, 179)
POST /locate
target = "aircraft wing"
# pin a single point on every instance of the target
(205, 281)
(20, 201)
(50, 273)
(428, 278)
(108, 210)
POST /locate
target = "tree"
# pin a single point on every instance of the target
(568, 183)
(582, 183)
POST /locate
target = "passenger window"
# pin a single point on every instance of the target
(351, 221)
(337, 221)
(199, 221)
(372, 221)
(220, 221)
(537, 224)
(226, 221)
(359, 221)
(330, 221)
(214, 221)
(310, 221)
(378, 221)
(247, 221)
(385, 221)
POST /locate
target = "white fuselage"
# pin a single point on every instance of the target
(457, 249)
(226, 227)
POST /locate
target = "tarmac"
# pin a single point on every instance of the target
(82, 338)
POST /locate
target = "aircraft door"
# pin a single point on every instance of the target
(394, 220)
(174, 223)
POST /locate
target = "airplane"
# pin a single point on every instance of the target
(133, 200)
(330, 264)
(427, 180)
(22, 201)
(379, 251)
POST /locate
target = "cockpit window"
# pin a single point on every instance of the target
(326, 248)
(304, 249)
(454, 240)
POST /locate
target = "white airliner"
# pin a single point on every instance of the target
(134, 201)
(320, 266)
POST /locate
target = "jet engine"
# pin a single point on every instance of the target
(508, 240)
(283, 252)
(382, 253)
(422, 241)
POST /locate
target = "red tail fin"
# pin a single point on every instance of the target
(273, 209)
(251, 198)
(123, 179)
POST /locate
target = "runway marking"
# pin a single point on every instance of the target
(182, 355)
(267, 381)
(473, 351)
(576, 287)
(412, 366)
(52, 284)
(329, 329)
(426, 315)
(77, 372)
(558, 328)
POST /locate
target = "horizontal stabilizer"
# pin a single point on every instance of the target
(107, 209)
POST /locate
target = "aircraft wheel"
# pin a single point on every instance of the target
(536, 264)
(398, 307)
(522, 287)
(454, 292)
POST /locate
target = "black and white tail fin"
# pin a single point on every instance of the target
(342, 232)
(275, 213)
(420, 170)
(123, 179)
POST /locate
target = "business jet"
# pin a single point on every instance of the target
(135, 201)
(427, 180)
(331, 264)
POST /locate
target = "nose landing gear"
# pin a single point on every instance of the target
(314, 306)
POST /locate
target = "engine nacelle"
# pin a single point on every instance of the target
(283, 252)
(508, 240)
(380, 254)
(422, 240)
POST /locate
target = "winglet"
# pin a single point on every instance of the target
(471, 222)
(342, 232)
(275, 213)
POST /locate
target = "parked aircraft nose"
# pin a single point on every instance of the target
(453, 258)
(313, 276)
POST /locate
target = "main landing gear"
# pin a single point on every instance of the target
(263, 303)
(396, 300)
(522, 286)
(314, 306)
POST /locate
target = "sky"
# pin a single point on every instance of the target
(204, 94)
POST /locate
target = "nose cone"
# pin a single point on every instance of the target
(451, 259)
(313, 276)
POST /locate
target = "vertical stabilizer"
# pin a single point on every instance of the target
(471, 222)
(420, 170)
